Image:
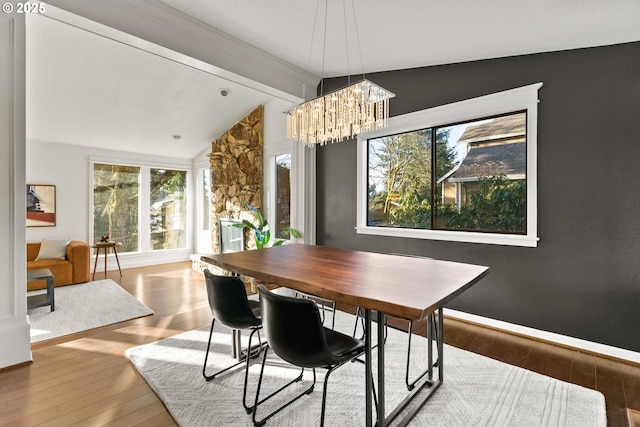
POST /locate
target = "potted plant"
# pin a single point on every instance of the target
(261, 230)
(262, 237)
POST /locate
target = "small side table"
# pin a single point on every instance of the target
(106, 246)
(41, 300)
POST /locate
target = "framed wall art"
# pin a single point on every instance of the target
(41, 205)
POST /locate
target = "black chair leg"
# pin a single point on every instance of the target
(261, 422)
(373, 385)
(209, 377)
(246, 357)
(324, 395)
(258, 402)
(355, 325)
(434, 330)
(410, 383)
(360, 317)
(324, 389)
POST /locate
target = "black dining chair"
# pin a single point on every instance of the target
(325, 306)
(431, 323)
(231, 307)
(294, 331)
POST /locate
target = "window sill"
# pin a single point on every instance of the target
(453, 236)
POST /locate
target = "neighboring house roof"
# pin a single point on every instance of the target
(498, 128)
(484, 161)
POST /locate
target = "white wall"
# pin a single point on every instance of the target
(67, 167)
(275, 142)
(275, 122)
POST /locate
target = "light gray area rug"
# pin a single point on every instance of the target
(84, 306)
(477, 391)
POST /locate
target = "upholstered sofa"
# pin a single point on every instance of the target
(74, 268)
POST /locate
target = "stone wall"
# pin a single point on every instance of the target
(236, 160)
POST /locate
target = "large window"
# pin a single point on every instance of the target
(168, 208)
(116, 190)
(463, 172)
(474, 180)
(283, 193)
(204, 211)
(142, 207)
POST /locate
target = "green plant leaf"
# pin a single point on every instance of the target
(266, 231)
(257, 214)
(262, 231)
(291, 231)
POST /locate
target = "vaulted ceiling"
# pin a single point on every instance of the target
(414, 33)
(87, 89)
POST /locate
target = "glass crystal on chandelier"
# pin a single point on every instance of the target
(339, 115)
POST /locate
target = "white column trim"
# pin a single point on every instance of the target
(14, 326)
(304, 208)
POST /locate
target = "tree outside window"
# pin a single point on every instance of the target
(168, 208)
(117, 199)
(474, 181)
(283, 194)
(115, 204)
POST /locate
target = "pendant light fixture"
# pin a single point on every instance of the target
(341, 114)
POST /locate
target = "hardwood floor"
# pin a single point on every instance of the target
(84, 379)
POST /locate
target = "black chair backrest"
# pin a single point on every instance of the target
(294, 330)
(228, 301)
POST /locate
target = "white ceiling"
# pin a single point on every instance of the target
(85, 89)
(414, 33)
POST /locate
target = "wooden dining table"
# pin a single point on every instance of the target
(381, 284)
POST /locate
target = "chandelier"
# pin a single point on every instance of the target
(342, 114)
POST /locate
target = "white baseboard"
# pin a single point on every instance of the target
(133, 260)
(592, 347)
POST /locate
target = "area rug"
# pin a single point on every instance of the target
(84, 306)
(477, 391)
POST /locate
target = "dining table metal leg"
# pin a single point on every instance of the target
(430, 328)
(427, 386)
(440, 341)
(368, 366)
(381, 388)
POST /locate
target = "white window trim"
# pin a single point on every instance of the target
(522, 98)
(269, 196)
(144, 226)
(303, 185)
(201, 236)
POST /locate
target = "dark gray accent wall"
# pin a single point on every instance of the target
(583, 279)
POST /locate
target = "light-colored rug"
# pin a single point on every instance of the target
(477, 391)
(84, 306)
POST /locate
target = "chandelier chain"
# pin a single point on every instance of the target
(346, 39)
(324, 46)
(344, 113)
(313, 35)
(355, 24)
